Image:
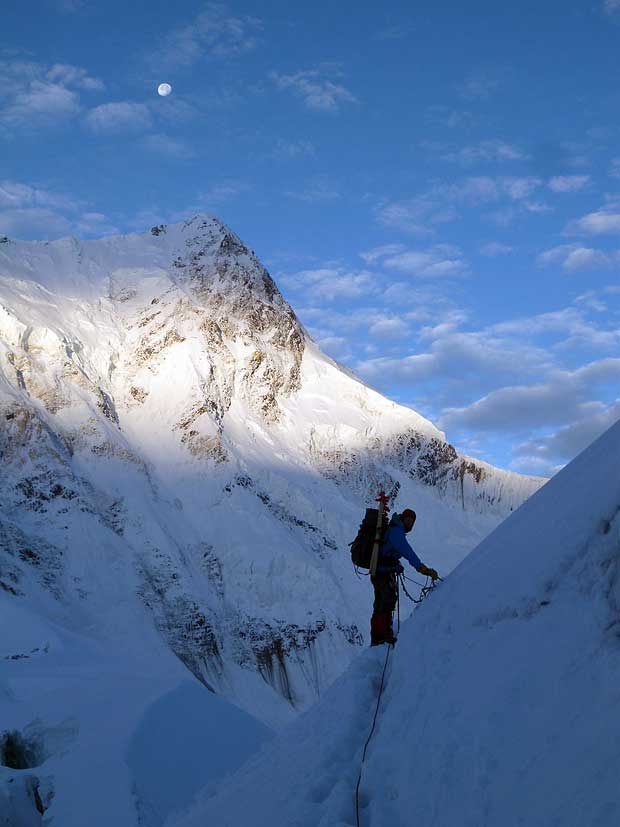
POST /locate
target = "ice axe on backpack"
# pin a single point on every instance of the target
(383, 501)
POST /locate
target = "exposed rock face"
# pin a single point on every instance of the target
(172, 443)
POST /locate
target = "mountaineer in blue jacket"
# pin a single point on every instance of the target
(394, 547)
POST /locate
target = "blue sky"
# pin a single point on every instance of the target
(434, 186)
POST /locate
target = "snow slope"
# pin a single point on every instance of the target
(501, 698)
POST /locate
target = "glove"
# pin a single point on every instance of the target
(428, 572)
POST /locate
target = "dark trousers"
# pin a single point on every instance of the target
(386, 592)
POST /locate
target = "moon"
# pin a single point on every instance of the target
(164, 89)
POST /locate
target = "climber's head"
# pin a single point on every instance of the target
(407, 518)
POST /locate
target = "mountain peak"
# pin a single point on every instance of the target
(200, 253)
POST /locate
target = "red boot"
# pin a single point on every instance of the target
(390, 637)
(379, 626)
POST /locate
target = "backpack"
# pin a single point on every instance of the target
(362, 546)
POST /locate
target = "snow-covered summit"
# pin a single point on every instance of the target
(199, 247)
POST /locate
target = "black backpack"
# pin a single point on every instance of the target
(362, 546)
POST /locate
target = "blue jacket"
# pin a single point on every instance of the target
(395, 545)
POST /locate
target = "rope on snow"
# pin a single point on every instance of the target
(423, 593)
(374, 721)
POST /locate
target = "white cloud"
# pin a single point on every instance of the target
(414, 216)
(349, 320)
(614, 170)
(119, 117)
(387, 370)
(293, 149)
(168, 146)
(611, 6)
(69, 75)
(452, 118)
(436, 262)
(568, 183)
(461, 356)
(41, 102)
(329, 283)
(94, 224)
(483, 189)
(515, 407)
(175, 111)
(399, 32)
(593, 420)
(376, 253)
(495, 248)
(585, 258)
(36, 96)
(449, 324)
(519, 188)
(492, 150)
(404, 292)
(148, 217)
(478, 86)
(389, 328)
(591, 300)
(537, 207)
(479, 189)
(574, 257)
(567, 320)
(212, 33)
(33, 222)
(29, 211)
(318, 191)
(404, 216)
(508, 349)
(441, 203)
(318, 92)
(503, 216)
(15, 195)
(601, 222)
(224, 192)
(558, 401)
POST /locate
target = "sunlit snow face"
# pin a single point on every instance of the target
(164, 89)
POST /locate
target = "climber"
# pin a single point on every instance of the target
(385, 584)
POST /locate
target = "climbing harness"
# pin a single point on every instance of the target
(374, 721)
